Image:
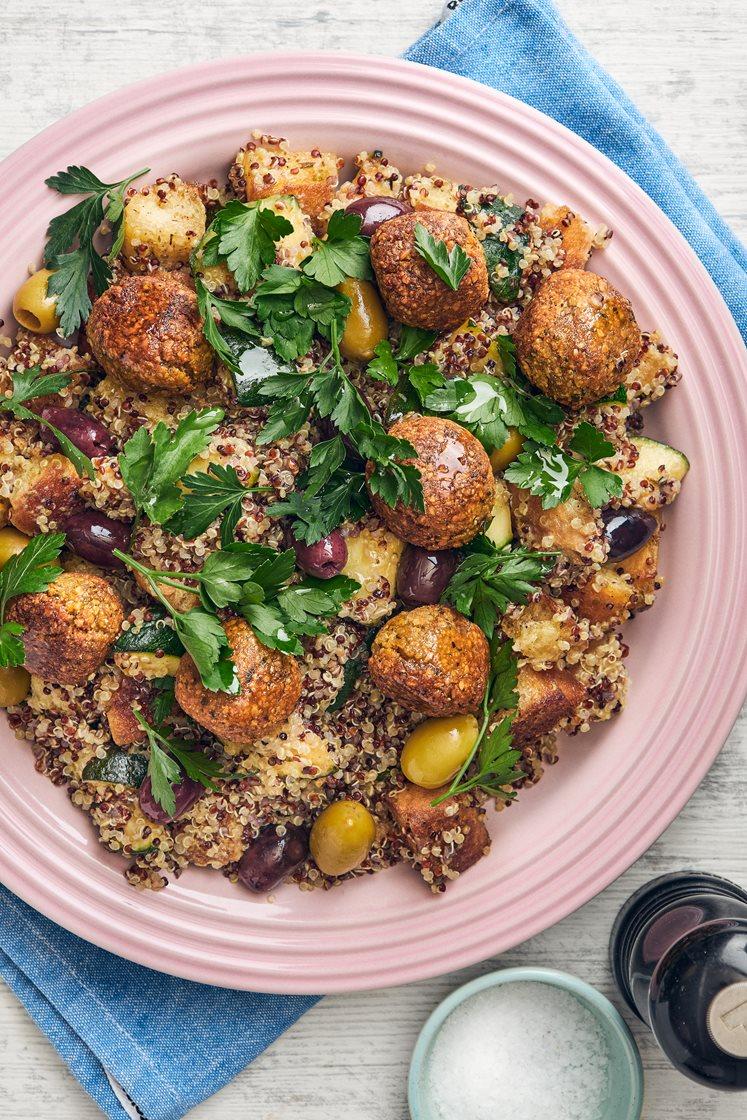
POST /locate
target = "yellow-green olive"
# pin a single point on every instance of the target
(15, 685)
(341, 837)
(436, 749)
(502, 456)
(11, 543)
(366, 325)
(33, 308)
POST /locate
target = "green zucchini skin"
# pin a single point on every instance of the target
(152, 637)
(117, 766)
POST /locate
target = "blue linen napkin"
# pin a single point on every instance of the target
(171, 1043)
(523, 48)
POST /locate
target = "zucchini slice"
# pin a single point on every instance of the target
(117, 766)
(655, 478)
(152, 637)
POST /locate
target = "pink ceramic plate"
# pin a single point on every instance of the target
(616, 789)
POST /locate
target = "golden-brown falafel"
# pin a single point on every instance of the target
(577, 337)
(270, 685)
(69, 628)
(411, 290)
(457, 480)
(45, 494)
(147, 331)
(432, 660)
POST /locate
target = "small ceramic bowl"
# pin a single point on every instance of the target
(626, 1072)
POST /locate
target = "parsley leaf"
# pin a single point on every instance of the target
(207, 495)
(235, 315)
(550, 472)
(450, 265)
(245, 237)
(31, 383)
(163, 702)
(29, 571)
(170, 760)
(70, 251)
(153, 462)
(343, 498)
(492, 751)
(343, 253)
(487, 579)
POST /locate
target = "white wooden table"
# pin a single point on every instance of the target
(682, 63)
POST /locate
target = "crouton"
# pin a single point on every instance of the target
(44, 494)
(130, 696)
(544, 630)
(375, 177)
(572, 527)
(653, 372)
(576, 236)
(265, 168)
(545, 700)
(443, 840)
(163, 222)
(211, 833)
(431, 192)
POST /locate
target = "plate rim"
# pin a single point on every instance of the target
(265, 979)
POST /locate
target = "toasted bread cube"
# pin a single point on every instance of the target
(573, 526)
(545, 700)
(265, 168)
(44, 494)
(130, 696)
(296, 246)
(605, 599)
(375, 176)
(373, 558)
(211, 833)
(653, 372)
(544, 630)
(163, 222)
(428, 827)
(431, 192)
(577, 237)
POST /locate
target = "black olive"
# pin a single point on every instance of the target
(627, 530)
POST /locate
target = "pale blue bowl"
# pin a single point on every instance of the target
(626, 1072)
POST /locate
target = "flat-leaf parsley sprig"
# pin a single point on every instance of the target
(450, 265)
(171, 760)
(217, 492)
(487, 579)
(550, 472)
(154, 462)
(28, 384)
(70, 250)
(30, 570)
(254, 581)
(494, 757)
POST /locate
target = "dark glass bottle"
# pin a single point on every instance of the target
(679, 955)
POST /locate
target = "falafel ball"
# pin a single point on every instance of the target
(431, 660)
(270, 686)
(577, 338)
(147, 331)
(69, 628)
(411, 290)
(457, 480)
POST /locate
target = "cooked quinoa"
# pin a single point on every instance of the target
(565, 637)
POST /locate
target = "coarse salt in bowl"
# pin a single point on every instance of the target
(524, 1043)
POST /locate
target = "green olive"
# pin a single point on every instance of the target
(502, 456)
(15, 685)
(366, 325)
(33, 308)
(436, 749)
(341, 837)
(11, 543)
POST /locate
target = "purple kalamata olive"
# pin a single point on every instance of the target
(94, 536)
(627, 530)
(270, 857)
(186, 793)
(423, 574)
(85, 432)
(377, 209)
(324, 559)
